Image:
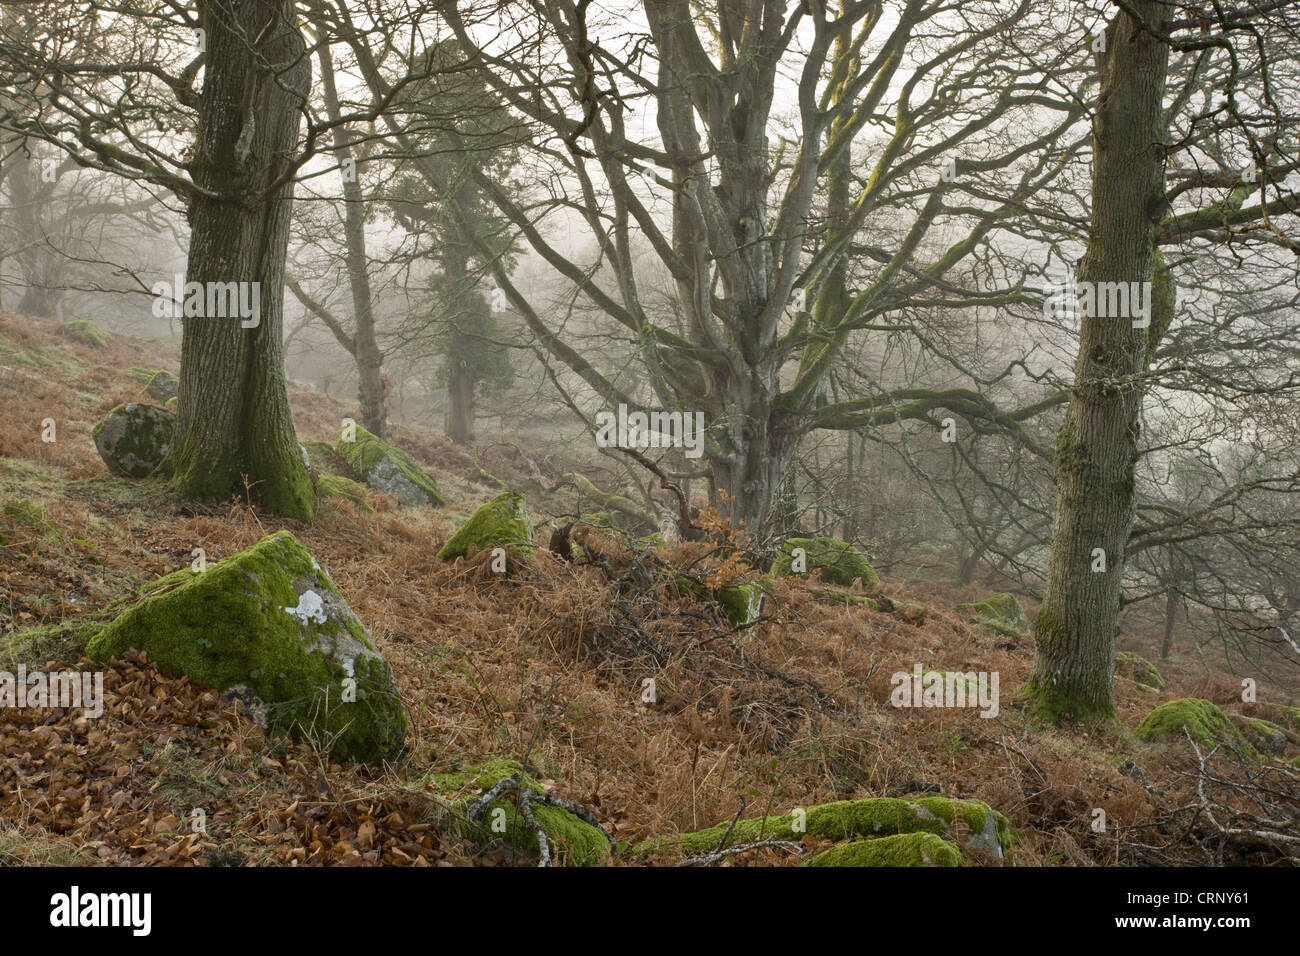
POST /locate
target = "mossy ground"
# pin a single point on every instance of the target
(1002, 612)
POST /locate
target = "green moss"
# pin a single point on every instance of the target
(88, 333)
(333, 487)
(502, 522)
(905, 849)
(845, 819)
(163, 386)
(1204, 722)
(1140, 670)
(269, 625)
(836, 561)
(1264, 736)
(320, 456)
(1002, 612)
(741, 603)
(388, 468)
(599, 519)
(573, 842)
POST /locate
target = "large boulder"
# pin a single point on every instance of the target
(835, 561)
(133, 438)
(741, 603)
(338, 488)
(501, 523)
(389, 469)
(1001, 612)
(268, 625)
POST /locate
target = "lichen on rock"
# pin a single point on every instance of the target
(835, 561)
(338, 488)
(387, 468)
(268, 625)
(501, 523)
(133, 438)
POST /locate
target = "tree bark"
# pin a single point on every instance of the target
(460, 408)
(235, 429)
(1097, 445)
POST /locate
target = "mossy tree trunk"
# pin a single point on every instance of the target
(1097, 445)
(235, 425)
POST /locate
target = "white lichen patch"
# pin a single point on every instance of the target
(310, 608)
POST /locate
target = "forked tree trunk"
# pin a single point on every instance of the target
(235, 428)
(1097, 445)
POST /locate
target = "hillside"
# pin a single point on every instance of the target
(545, 666)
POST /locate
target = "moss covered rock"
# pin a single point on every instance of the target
(337, 488)
(1002, 612)
(387, 468)
(1204, 722)
(502, 522)
(88, 333)
(320, 457)
(269, 626)
(133, 438)
(1266, 737)
(573, 841)
(741, 603)
(905, 849)
(847, 819)
(835, 561)
(163, 386)
(1139, 670)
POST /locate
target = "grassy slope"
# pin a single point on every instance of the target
(539, 666)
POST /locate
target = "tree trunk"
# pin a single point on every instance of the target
(1097, 445)
(460, 409)
(1171, 609)
(235, 428)
(371, 393)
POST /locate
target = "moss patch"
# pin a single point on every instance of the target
(1002, 612)
(1206, 723)
(502, 522)
(387, 468)
(88, 333)
(740, 603)
(1139, 670)
(269, 626)
(836, 561)
(905, 849)
(845, 819)
(573, 842)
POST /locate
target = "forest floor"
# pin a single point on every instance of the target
(544, 666)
